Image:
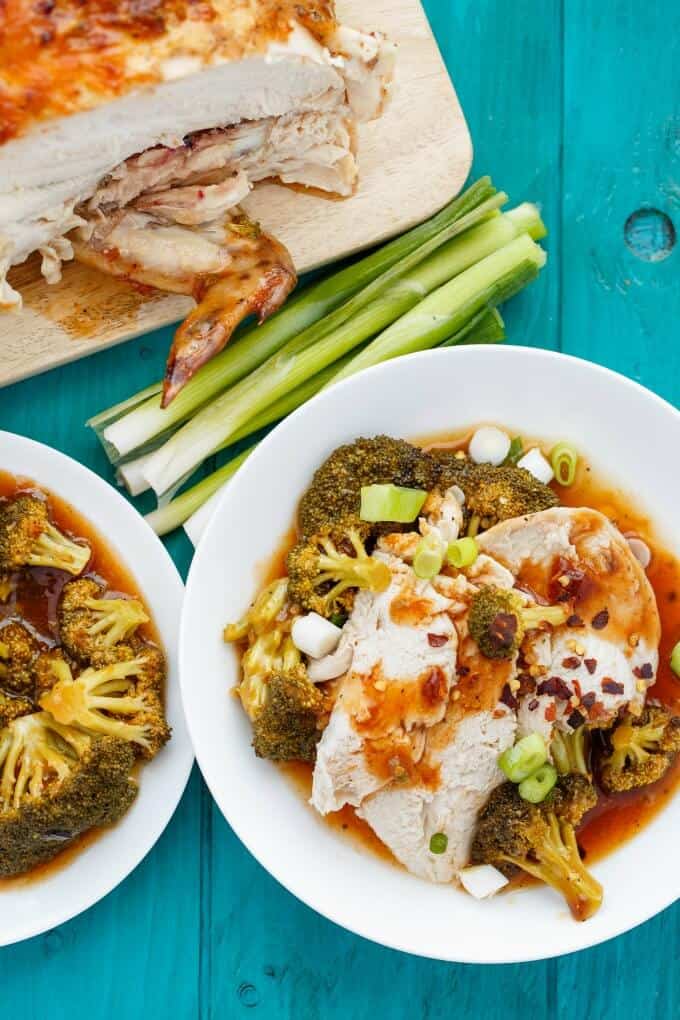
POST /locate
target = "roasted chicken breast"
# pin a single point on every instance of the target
(129, 134)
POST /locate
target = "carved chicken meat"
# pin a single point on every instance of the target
(119, 118)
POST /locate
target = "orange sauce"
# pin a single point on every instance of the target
(35, 599)
(615, 819)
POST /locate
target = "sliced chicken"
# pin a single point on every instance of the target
(403, 667)
(173, 112)
(460, 756)
(606, 656)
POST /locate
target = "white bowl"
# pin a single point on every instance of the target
(627, 432)
(36, 905)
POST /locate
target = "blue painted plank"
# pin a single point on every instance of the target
(621, 153)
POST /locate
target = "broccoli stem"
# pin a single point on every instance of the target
(561, 867)
(570, 751)
(124, 433)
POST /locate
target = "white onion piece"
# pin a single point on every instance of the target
(489, 445)
(482, 880)
(458, 494)
(640, 550)
(536, 464)
(331, 666)
(314, 635)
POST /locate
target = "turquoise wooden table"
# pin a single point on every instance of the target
(573, 104)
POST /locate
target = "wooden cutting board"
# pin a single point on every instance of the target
(411, 162)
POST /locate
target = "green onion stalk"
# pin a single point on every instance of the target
(132, 425)
(194, 507)
(132, 473)
(476, 286)
(444, 311)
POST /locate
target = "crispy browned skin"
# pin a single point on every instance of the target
(59, 57)
(258, 281)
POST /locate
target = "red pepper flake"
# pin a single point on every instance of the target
(589, 699)
(571, 662)
(610, 686)
(556, 686)
(600, 620)
(591, 665)
(437, 640)
(575, 720)
(575, 621)
(644, 672)
(598, 710)
(577, 688)
(508, 698)
(527, 684)
(550, 713)
(533, 705)
(201, 193)
(433, 687)
(566, 581)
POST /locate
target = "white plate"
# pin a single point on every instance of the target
(627, 432)
(31, 908)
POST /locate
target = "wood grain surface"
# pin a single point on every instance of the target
(411, 161)
(573, 104)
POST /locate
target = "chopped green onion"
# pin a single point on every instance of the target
(537, 786)
(429, 557)
(339, 619)
(521, 761)
(516, 450)
(564, 458)
(438, 843)
(462, 553)
(391, 503)
(675, 659)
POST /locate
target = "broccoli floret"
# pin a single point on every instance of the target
(284, 706)
(18, 653)
(570, 752)
(493, 494)
(262, 614)
(12, 707)
(499, 619)
(91, 626)
(540, 839)
(55, 783)
(335, 492)
(288, 723)
(640, 750)
(328, 563)
(122, 699)
(29, 539)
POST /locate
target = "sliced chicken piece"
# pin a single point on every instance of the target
(443, 515)
(402, 670)
(606, 656)
(232, 270)
(461, 754)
